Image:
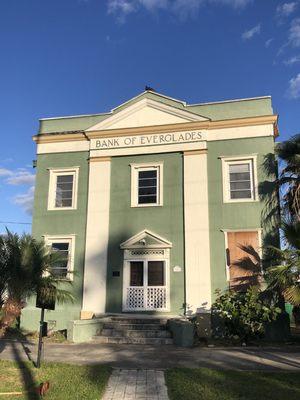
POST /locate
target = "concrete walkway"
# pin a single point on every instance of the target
(131, 384)
(160, 357)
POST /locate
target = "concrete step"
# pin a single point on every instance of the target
(132, 340)
(140, 333)
(133, 326)
(127, 320)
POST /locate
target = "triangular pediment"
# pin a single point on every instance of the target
(146, 239)
(146, 112)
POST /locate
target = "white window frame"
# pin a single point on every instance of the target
(135, 168)
(70, 239)
(226, 231)
(53, 174)
(247, 159)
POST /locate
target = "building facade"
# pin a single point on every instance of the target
(149, 203)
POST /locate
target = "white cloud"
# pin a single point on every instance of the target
(121, 8)
(25, 200)
(292, 60)
(181, 8)
(294, 87)
(5, 172)
(152, 5)
(20, 177)
(234, 3)
(268, 42)
(251, 32)
(285, 9)
(294, 36)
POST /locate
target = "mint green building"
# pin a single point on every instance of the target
(149, 203)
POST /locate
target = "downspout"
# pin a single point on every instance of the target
(184, 268)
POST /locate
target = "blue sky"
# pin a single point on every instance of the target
(67, 57)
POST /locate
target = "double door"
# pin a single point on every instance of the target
(146, 285)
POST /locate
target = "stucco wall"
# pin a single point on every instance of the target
(245, 215)
(61, 222)
(125, 221)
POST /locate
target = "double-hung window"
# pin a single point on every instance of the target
(239, 179)
(62, 248)
(146, 185)
(63, 189)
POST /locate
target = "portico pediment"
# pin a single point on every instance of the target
(146, 112)
(146, 239)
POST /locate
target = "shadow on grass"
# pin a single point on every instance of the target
(205, 384)
(29, 383)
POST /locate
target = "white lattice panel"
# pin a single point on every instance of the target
(146, 298)
(156, 298)
(135, 298)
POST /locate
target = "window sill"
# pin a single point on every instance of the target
(240, 201)
(62, 209)
(146, 205)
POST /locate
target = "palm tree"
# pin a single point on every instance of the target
(281, 266)
(288, 181)
(26, 269)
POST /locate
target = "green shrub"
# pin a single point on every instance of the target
(244, 315)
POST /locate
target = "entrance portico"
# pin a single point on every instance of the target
(146, 273)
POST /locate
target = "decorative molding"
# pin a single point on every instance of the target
(62, 137)
(154, 129)
(194, 152)
(99, 159)
(129, 111)
(237, 122)
(133, 242)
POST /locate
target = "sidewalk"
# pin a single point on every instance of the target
(161, 357)
(132, 384)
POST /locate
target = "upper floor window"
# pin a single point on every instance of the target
(63, 247)
(239, 179)
(63, 189)
(146, 185)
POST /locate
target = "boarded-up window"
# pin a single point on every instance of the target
(244, 268)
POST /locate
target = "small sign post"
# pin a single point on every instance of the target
(45, 300)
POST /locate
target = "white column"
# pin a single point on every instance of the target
(197, 247)
(95, 269)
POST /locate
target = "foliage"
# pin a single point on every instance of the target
(289, 176)
(244, 314)
(26, 268)
(284, 278)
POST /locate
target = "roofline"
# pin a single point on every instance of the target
(74, 116)
(149, 91)
(231, 101)
(158, 94)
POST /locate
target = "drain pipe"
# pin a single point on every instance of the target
(184, 263)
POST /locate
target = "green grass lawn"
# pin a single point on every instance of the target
(66, 381)
(207, 384)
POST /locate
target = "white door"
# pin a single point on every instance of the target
(145, 285)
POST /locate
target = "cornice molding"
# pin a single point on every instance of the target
(194, 152)
(156, 129)
(66, 137)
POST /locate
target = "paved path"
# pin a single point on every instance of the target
(131, 384)
(160, 357)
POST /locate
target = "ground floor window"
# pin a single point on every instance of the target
(64, 247)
